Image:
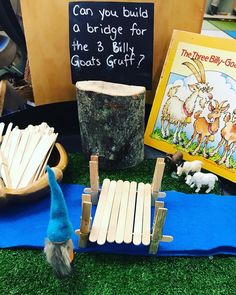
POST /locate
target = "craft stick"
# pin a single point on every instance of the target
(85, 224)
(128, 236)
(158, 204)
(15, 139)
(147, 215)
(157, 178)
(41, 149)
(42, 166)
(94, 158)
(138, 223)
(120, 231)
(29, 150)
(94, 182)
(111, 234)
(106, 214)
(167, 239)
(14, 172)
(2, 125)
(86, 215)
(6, 136)
(44, 163)
(157, 230)
(43, 128)
(99, 212)
(5, 171)
(85, 198)
(7, 148)
(2, 189)
(161, 195)
(50, 130)
(34, 135)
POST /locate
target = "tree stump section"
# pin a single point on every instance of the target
(111, 118)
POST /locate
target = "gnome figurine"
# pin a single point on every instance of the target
(58, 245)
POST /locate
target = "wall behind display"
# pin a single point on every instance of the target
(224, 6)
(46, 25)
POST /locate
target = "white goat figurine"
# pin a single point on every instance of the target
(186, 167)
(199, 179)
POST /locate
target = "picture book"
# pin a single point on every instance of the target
(194, 109)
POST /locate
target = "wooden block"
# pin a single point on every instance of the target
(128, 236)
(120, 231)
(94, 181)
(138, 222)
(157, 230)
(111, 235)
(106, 214)
(99, 211)
(147, 215)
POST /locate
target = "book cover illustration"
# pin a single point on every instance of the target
(194, 110)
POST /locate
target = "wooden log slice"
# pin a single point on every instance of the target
(111, 118)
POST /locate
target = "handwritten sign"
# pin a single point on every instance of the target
(111, 41)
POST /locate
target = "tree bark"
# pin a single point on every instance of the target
(111, 118)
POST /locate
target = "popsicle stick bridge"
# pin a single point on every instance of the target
(123, 213)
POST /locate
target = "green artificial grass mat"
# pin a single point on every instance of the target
(224, 25)
(77, 172)
(25, 272)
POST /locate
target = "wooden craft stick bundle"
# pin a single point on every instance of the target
(24, 153)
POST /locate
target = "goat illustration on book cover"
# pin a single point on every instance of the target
(194, 110)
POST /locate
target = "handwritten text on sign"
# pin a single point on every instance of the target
(112, 41)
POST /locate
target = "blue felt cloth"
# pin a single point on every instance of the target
(200, 224)
(231, 33)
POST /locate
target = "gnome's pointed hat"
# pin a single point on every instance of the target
(59, 228)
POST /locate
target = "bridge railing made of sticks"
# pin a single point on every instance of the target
(123, 212)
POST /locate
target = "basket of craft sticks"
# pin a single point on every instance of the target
(24, 156)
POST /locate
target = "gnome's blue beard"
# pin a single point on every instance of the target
(58, 256)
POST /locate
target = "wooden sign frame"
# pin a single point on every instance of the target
(46, 27)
